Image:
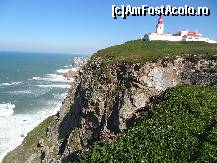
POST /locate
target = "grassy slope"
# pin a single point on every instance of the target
(183, 129)
(138, 50)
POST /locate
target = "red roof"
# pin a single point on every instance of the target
(160, 20)
(193, 34)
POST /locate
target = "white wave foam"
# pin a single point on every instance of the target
(63, 71)
(14, 127)
(62, 96)
(6, 109)
(9, 84)
(55, 86)
(20, 92)
(52, 78)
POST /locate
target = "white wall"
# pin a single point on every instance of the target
(196, 39)
(165, 37)
(152, 37)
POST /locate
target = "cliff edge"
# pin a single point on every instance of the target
(111, 91)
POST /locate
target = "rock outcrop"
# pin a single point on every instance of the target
(104, 100)
(70, 74)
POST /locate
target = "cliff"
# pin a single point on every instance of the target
(111, 91)
(179, 127)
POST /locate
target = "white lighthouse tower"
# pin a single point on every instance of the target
(160, 26)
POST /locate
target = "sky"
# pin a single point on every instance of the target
(85, 26)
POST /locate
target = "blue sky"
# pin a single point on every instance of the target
(84, 26)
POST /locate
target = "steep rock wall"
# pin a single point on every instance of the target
(104, 100)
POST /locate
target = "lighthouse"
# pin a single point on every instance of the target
(160, 26)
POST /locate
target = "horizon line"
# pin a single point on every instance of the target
(44, 52)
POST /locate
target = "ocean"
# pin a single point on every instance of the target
(32, 87)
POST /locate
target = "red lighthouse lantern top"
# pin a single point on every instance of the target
(160, 20)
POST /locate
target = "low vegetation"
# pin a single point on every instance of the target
(182, 129)
(138, 50)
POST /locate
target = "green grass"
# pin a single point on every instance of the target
(138, 50)
(182, 129)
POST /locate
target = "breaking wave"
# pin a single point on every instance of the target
(52, 78)
(9, 84)
(55, 86)
(20, 92)
(6, 109)
(14, 127)
(63, 71)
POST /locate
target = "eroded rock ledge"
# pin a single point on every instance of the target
(104, 100)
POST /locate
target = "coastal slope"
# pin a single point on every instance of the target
(111, 91)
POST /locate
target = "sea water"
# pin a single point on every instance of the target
(32, 87)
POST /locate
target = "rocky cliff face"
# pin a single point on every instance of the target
(104, 100)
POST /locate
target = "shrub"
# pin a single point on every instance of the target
(182, 129)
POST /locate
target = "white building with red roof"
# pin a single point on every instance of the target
(182, 35)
